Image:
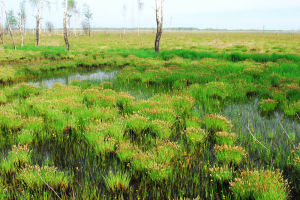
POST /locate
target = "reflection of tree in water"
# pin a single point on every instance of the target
(98, 76)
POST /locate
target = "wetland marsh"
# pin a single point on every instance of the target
(214, 115)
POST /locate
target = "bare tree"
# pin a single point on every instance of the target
(49, 26)
(70, 5)
(38, 21)
(69, 16)
(21, 30)
(140, 8)
(88, 15)
(124, 17)
(65, 26)
(8, 25)
(22, 20)
(12, 20)
(24, 17)
(39, 4)
(1, 29)
(159, 21)
(72, 11)
(85, 27)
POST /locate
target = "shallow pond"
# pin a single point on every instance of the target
(98, 75)
(274, 135)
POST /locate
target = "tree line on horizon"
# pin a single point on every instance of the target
(18, 22)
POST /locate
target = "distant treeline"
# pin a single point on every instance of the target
(177, 29)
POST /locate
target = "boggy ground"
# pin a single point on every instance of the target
(213, 116)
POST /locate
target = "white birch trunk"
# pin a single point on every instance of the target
(9, 27)
(159, 22)
(65, 26)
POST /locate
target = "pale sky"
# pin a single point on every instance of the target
(221, 14)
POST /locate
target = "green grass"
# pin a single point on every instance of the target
(117, 182)
(197, 55)
(44, 49)
(259, 184)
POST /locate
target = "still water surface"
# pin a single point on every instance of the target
(99, 75)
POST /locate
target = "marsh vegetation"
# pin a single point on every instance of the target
(214, 115)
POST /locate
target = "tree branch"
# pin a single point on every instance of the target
(49, 187)
(255, 139)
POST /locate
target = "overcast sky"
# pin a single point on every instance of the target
(221, 14)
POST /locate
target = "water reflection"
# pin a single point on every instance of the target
(98, 75)
(276, 131)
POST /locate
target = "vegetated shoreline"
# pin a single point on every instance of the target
(143, 53)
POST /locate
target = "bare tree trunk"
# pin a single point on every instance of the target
(89, 29)
(8, 26)
(68, 24)
(140, 7)
(37, 30)
(1, 31)
(139, 24)
(157, 38)
(21, 29)
(38, 22)
(2, 35)
(65, 26)
(159, 22)
(24, 27)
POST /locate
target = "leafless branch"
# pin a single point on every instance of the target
(256, 138)
(298, 116)
(287, 135)
(50, 187)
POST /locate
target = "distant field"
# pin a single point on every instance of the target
(214, 115)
